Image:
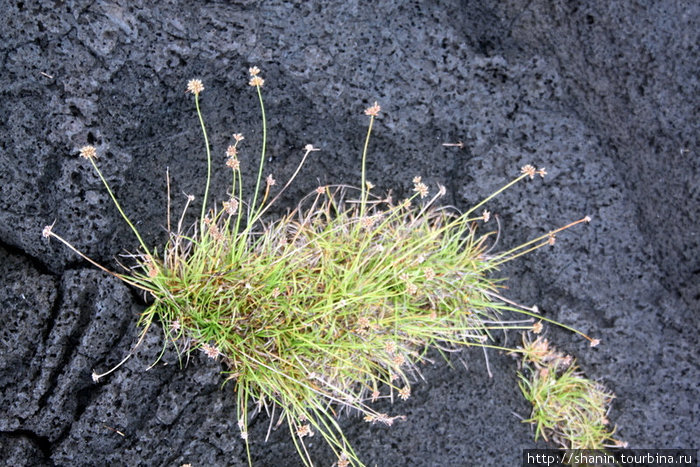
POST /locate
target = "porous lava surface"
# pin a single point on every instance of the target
(603, 94)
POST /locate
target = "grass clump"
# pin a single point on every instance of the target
(569, 409)
(330, 307)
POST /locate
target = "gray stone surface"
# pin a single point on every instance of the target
(602, 93)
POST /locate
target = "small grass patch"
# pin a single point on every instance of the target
(331, 307)
(569, 409)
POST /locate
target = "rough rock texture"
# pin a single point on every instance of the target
(604, 94)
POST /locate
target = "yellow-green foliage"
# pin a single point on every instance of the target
(333, 305)
(568, 409)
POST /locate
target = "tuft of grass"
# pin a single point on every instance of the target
(331, 307)
(569, 409)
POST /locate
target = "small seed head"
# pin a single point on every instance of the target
(363, 324)
(88, 152)
(195, 86)
(421, 188)
(233, 163)
(537, 327)
(152, 268)
(256, 81)
(374, 110)
(231, 206)
(304, 430)
(367, 222)
(210, 351)
(528, 170)
(46, 232)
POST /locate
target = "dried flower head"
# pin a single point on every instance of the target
(429, 274)
(46, 232)
(195, 86)
(256, 81)
(270, 181)
(390, 347)
(486, 215)
(551, 238)
(421, 189)
(216, 234)
(304, 430)
(417, 179)
(374, 110)
(537, 327)
(367, 222)
(190, 198)
(88, 152)
(320, 190)
(231, 206)
(541, 172)
(238, 137)
(310, 147)
(233, 163)
(405, 392)
(528, 170)
(363, 324)
(210, 351)
(152, 267)
(539, 349)
(231, 151)
(595, 342)
(254, 71)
